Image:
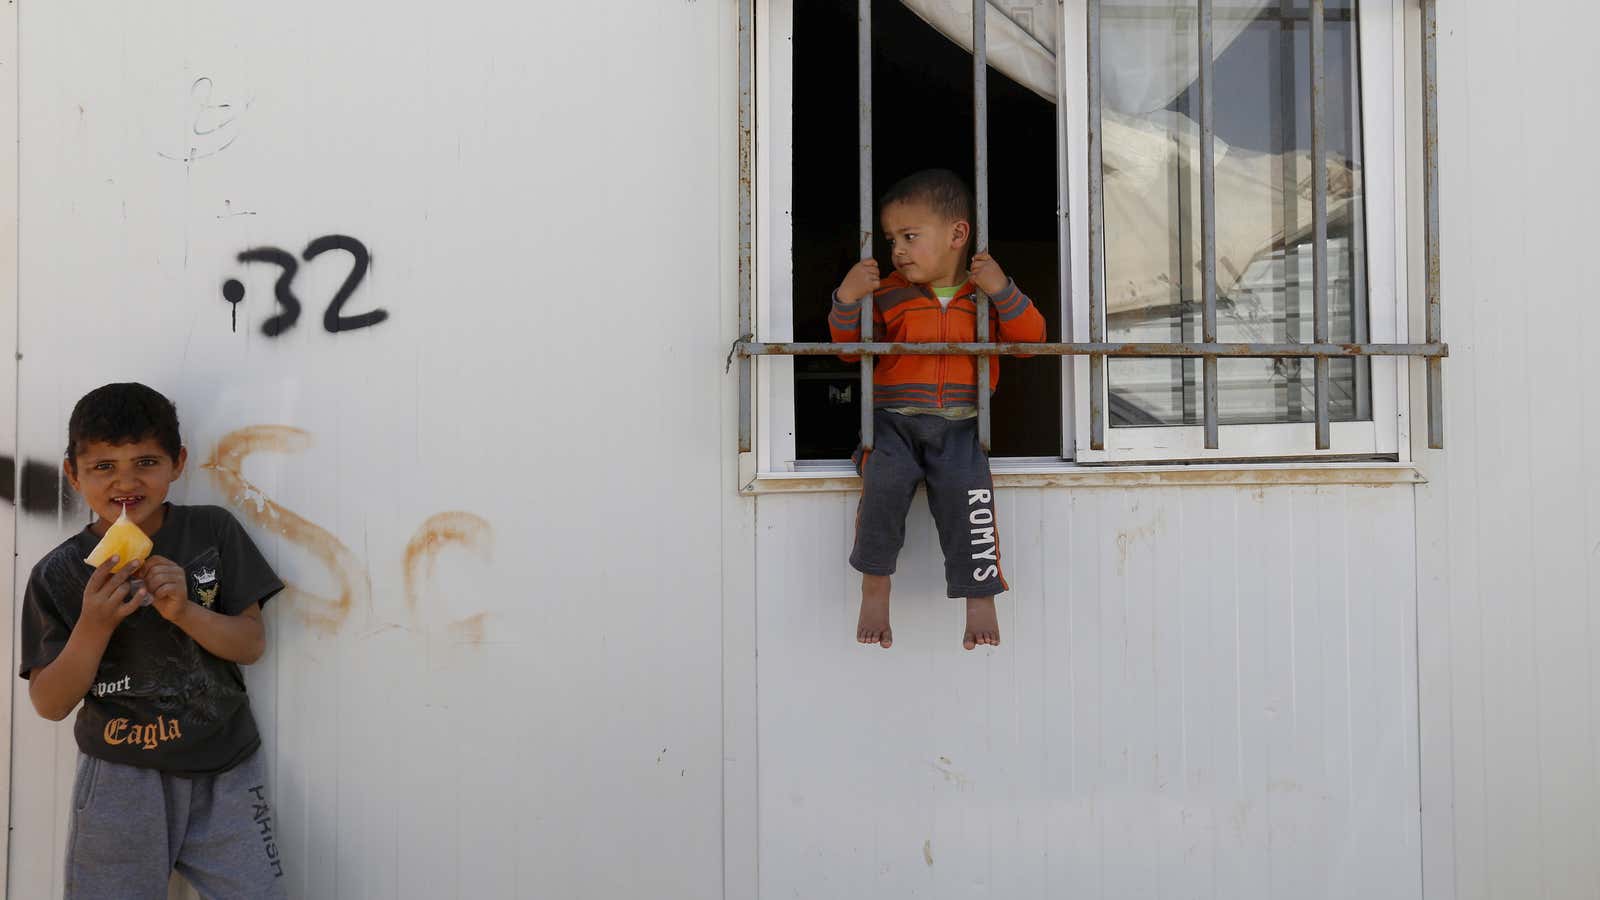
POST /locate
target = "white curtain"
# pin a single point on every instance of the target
(1146, 64)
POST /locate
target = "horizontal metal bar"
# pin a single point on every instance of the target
(1167, 15)
(1145, 349)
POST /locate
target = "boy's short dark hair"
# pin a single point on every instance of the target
(941, 189)
(123, 413)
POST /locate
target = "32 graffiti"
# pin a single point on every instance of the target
(333, 319)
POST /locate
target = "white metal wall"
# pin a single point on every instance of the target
(528, 702)
(1202, 689)
(8, 381)
(1509, 525)
(1202, 692)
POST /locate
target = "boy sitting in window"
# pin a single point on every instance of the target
(925, 407)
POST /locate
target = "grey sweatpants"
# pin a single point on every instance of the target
(131, 827)
(944, 453)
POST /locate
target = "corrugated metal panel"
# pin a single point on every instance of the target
(1202, 692)
(535, 712)
(1509, 525)
(8, 391)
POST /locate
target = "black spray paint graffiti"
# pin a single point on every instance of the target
(333, 320)
(211, 125)
(44, 489)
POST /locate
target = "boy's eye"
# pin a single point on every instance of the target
(147, 462)
(102, 467)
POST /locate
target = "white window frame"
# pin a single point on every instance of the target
(1384, 128)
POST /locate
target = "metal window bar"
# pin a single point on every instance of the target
(1097, 230)
(1430, 192)
(747, 107)
(1432, 351)
(980, 230)
(1208, 222)
(1319, 219)
(864, 127)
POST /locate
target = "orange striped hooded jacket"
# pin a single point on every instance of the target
(906, 312)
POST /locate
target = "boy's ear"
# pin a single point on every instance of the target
(960, 233)
(183, 457)
(69, 468)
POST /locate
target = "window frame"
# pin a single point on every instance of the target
(1381, 28)
(1384, 59)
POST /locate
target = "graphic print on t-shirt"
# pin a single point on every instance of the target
(202, 572)
(158, 699)
(186, 681)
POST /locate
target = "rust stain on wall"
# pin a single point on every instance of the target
(468, 630)
(1126, 538)
(225, 465)
(441, 530)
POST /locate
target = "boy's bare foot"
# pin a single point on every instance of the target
(873, 626)
(983, 624)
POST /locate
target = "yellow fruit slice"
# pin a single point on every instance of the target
(123, 540)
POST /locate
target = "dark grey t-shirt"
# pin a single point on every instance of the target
(159, 700)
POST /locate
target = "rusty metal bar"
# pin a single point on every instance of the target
(1319, 219)
(1064, 294)
(1208, 222)
(864, 126)
(1135, 349)
(1289, 188)
(747, 52)
(1097, 226)
(980, 157)
(1245, 12)
(1430, 191)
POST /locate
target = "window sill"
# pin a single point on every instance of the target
(1066, 475)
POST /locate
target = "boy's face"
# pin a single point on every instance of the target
(137, 473)
(926, 247)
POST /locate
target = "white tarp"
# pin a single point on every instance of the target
(1146, 63)
(1144, 68)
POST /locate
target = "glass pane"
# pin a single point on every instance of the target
(1150, 129)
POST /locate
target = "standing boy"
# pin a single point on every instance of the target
(925, 407)
(170, 774)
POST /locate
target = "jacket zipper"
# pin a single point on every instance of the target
(944, 335)
(939, 372)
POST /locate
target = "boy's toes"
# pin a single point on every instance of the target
(974, 639)
(873, 636)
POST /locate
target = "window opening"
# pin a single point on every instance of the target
(1210, 350)
(914, 66)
